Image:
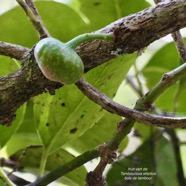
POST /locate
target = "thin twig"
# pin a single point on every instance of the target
(34, 17)
(138, 80)
(134, 86)
(31, 5)
(8, 163)
(181, 48)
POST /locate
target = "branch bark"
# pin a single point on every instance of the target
(14, 51)
(132, 33)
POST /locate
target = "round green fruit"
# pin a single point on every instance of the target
(58, 61)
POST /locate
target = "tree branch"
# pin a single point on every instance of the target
(14, 51)
(132, 33)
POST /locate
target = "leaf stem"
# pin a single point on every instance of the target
(43, 162)
(88, 37)
(5, 178)
(140, 89)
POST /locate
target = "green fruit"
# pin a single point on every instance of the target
(58, 61)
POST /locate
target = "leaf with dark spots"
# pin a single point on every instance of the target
(110, 75)
(47, 124)
(63, 119)
(97, 3)
(63, 104)
(82, 116)
(74, 130)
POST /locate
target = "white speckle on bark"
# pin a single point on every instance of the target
(116, 52)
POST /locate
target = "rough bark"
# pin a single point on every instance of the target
(132, 33)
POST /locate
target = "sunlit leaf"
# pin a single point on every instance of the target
(101, 13)
(61, 21)
(101, 132)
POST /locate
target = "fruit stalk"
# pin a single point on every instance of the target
(88, 37)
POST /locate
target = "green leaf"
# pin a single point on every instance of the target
(68, 114)
(164, 158)
(143, 131)
(102, 13)
(7, 132)
(101, 132)
(163, 61)
(61, 21)
(7, 65)
(28, 124)
(26, 135)
(22, 140)
(31, 160)
(180, 102)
